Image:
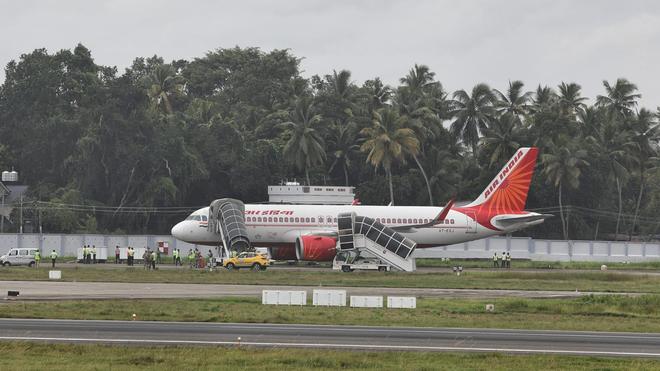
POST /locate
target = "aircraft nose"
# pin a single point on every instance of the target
(178, 231)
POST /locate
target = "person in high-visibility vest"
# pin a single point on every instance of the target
(37, 258)
(154, 256)
(508, 260)
(495, 260)
(175, 256)
(191, 258)
(53, 257)
(130, 252)
(94, 253)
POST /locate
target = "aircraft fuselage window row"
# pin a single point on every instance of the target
(329, 220)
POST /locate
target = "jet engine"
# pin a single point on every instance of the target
(315, 248)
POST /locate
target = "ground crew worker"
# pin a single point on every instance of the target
(53, 257)
(117, 254)
(495, 265)
(154, 257)
(508, 260)
(191, 258)
(157, 255)
(175, 257)
(37, 258)
(145, 259)
(502, 260)
(210, 258)
(129, 256)
(89, 255)
(94, 253)
(84, 254)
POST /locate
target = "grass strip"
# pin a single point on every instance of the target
(588, 313)
(34, 356)
(541, 280)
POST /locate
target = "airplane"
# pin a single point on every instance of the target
(309, 232)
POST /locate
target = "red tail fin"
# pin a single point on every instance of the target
(507, 193)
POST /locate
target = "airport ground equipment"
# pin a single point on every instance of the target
(227, 219)
(349, 261)
(358, 234)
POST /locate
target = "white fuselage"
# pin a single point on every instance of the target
(281, 224)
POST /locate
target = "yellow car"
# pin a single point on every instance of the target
(252, 260)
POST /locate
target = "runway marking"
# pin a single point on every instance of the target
(330, 345)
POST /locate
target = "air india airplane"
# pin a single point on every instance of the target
(309, 232)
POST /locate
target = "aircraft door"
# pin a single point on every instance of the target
(471, 219)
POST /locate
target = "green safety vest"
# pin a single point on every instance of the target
(175, 254)
(495, 257)
(37, 255)
(191, 256)
(508, 258)
(93, 250)
(53, 255)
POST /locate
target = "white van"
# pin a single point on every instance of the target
(22, 256)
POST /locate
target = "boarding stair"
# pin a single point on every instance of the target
(226, 218)
(364, 234)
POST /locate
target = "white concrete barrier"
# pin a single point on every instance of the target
(55, 275)
(402, 302)
(281, 297)
(329, 298)
(366, 301)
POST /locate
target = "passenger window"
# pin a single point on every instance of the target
(313, 220)
(13, 253)
(307, 220)
(320, 219)
(281, 219)
(270, 219)
(286, 219)
(297, 220)
(23, 252)
(259, 219)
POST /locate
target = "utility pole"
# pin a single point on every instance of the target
(21, 215)
(2, 216)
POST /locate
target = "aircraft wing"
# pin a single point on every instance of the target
(442, 215)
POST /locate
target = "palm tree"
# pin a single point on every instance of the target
(562, 167)
(473, 114)
(514, 102)
(388, 142)
(419, 79)
(570, 99)
(342, 146)
(613, 146)
(645, 135)
(502, 139)
(162, 84)
(621, 98)
(377, 94)
(544, 97)
(305, 148)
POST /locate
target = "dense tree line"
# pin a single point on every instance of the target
(109, 151)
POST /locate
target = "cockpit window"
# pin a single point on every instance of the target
(190, 217)
(204, 218)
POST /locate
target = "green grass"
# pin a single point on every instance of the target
(540, 280)
(529, 264)
(596, 313)
(34, 356)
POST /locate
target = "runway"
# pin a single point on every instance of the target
(333, 337)
(57, 290)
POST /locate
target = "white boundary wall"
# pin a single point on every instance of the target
(68, 244)
(547, 250)
(519, 247)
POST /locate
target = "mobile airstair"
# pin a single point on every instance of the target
(363, 234)
(226, 218)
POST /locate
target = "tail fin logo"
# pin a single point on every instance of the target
(508, 191)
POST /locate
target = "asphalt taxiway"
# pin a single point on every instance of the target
(333, 337)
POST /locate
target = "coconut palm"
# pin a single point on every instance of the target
(514, 102)
(305, 147)
(419, 79)
(388, 142)
(473, 113)
(342, 147)
(544, 97)
(570, 99)
(376, 93)
(163, 84)
(502, 139)
(562, 165)
(645, 134)
(621, 98)
(612, 145)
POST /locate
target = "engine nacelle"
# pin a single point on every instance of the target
(316, 248)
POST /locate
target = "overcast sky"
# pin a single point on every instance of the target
(463, 42)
